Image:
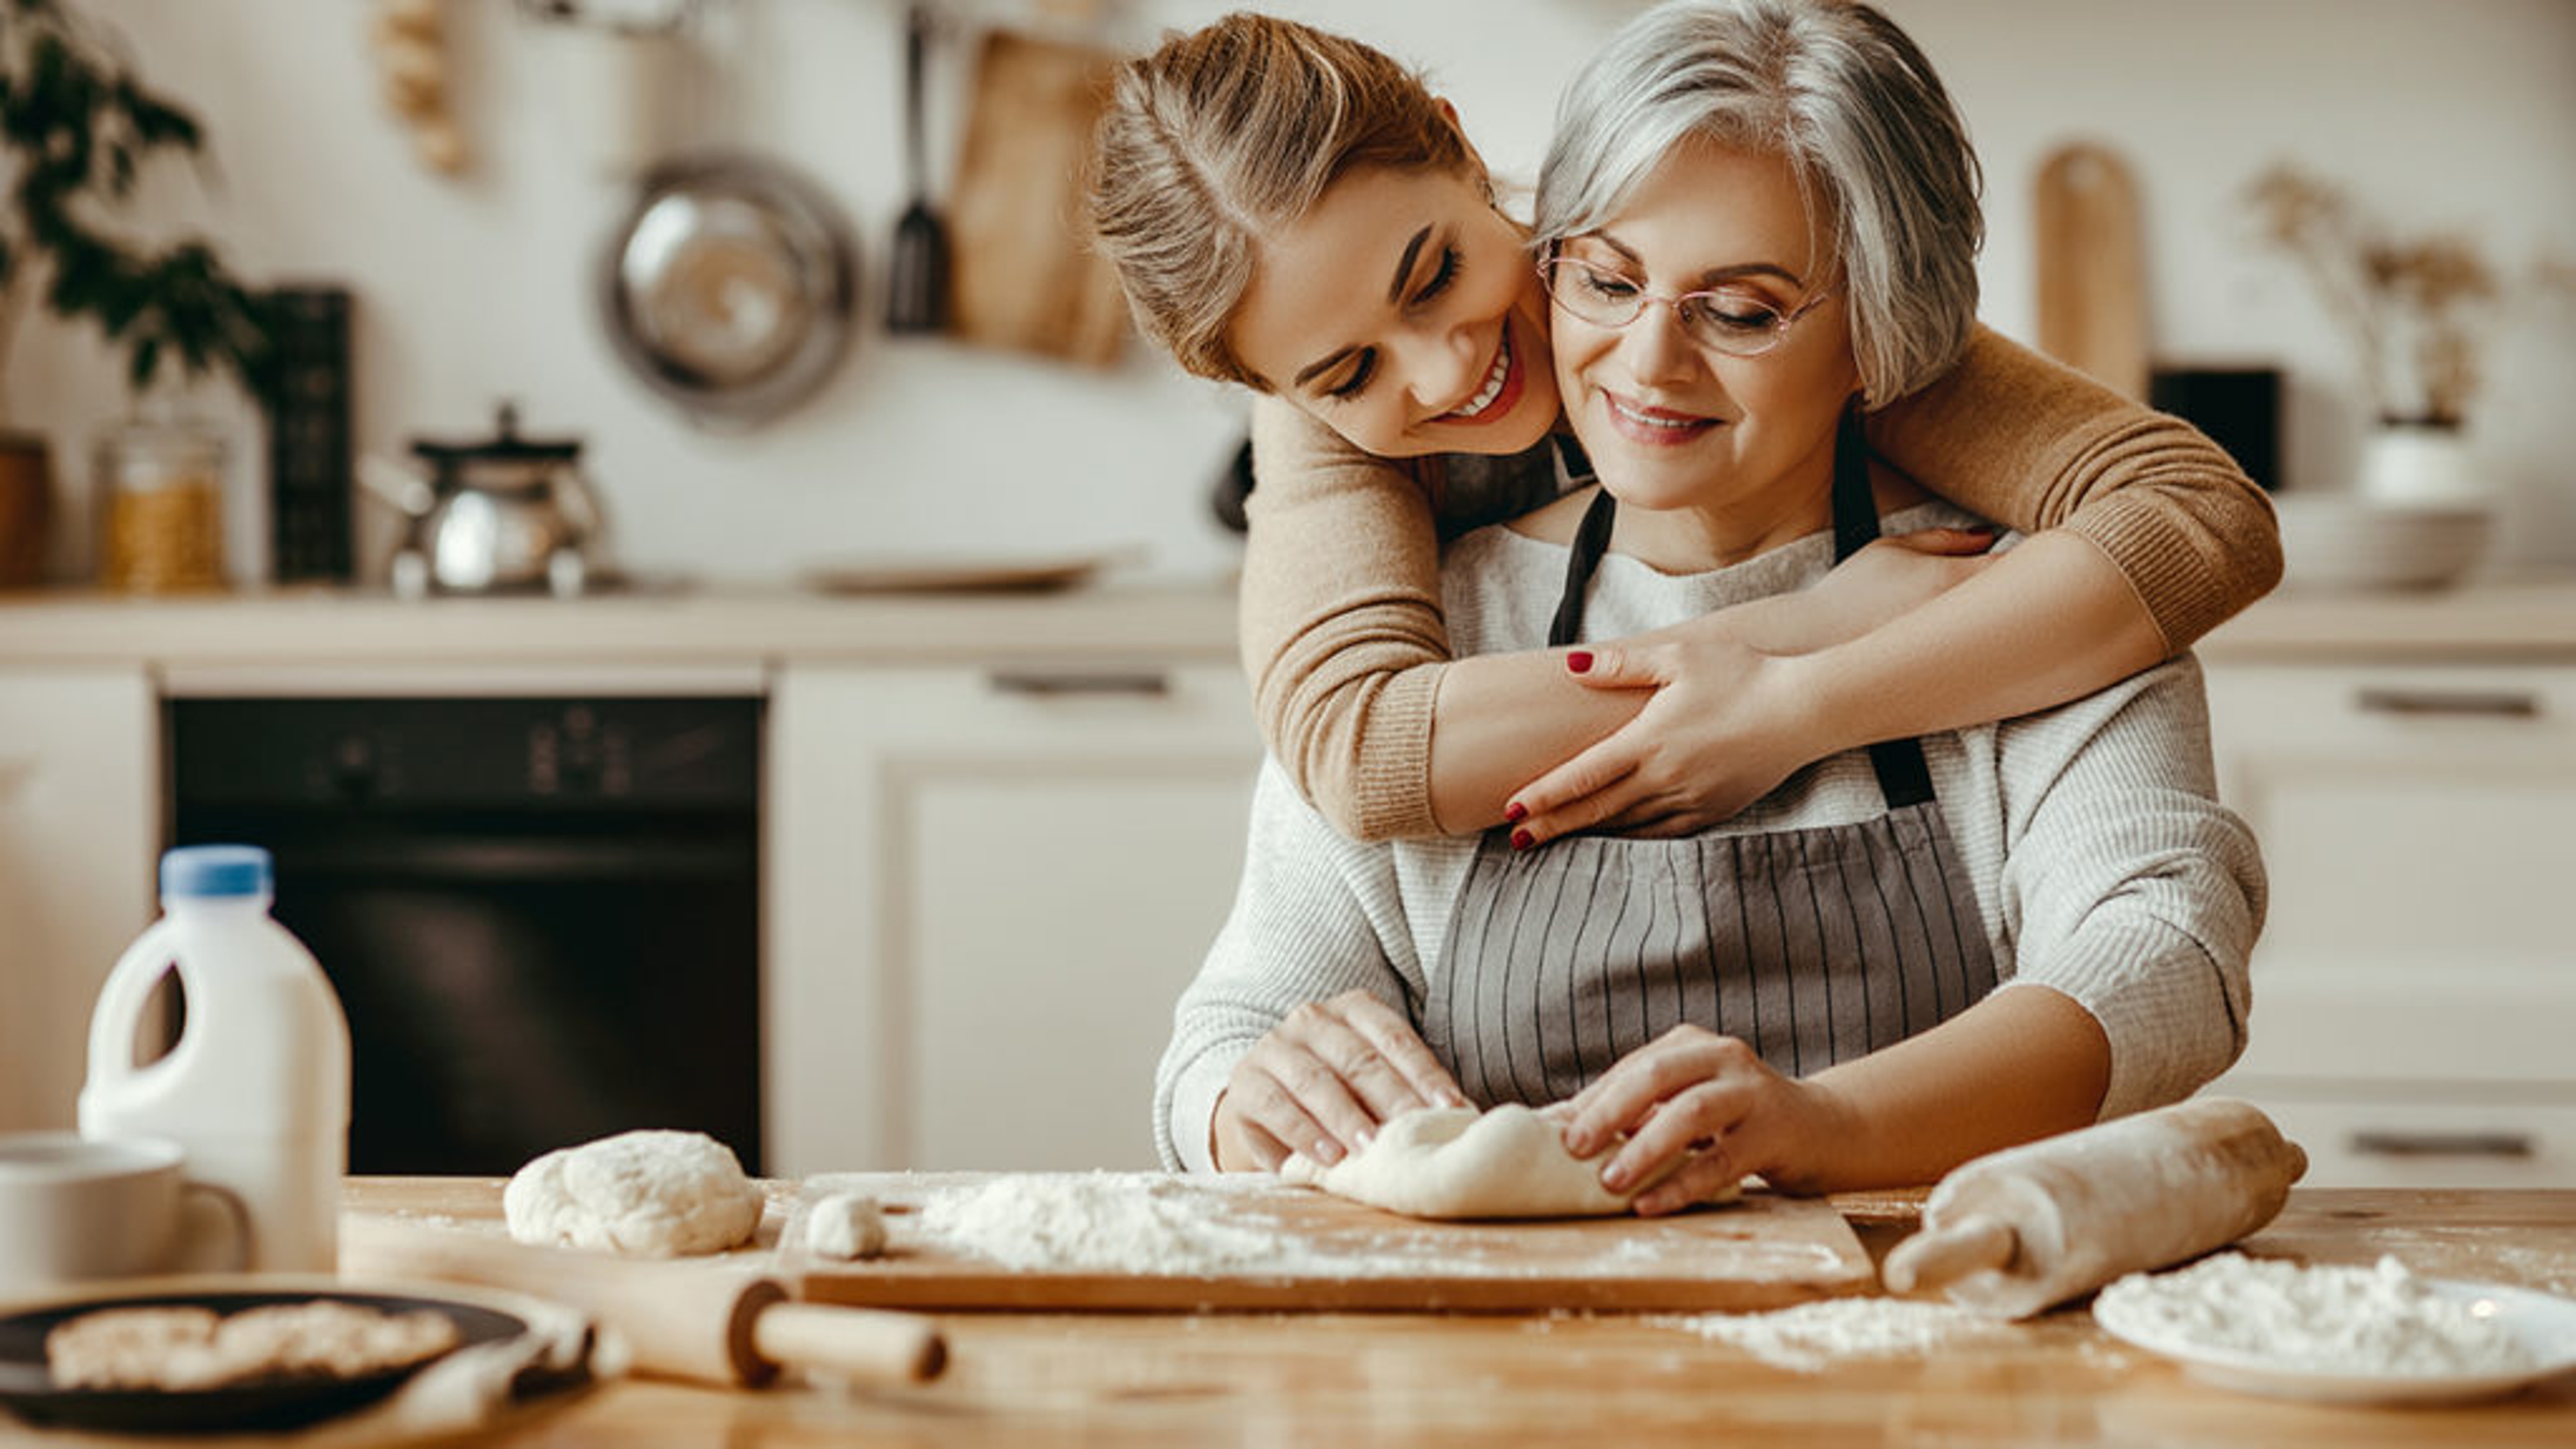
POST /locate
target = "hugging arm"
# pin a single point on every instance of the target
(2146, 536)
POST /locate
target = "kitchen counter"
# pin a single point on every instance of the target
(1022, 1379)
(681, 626)
(2530, 620)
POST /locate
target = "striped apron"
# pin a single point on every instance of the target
(1812, 946)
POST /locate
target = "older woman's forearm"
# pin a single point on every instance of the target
(2025, 1063)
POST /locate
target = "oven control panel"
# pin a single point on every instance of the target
(398, 753)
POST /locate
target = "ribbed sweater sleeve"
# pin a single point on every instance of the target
(1316, 914)
(2124, 883)
(1339, 615)
(2034, 444)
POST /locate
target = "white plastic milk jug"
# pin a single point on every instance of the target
(256, 1089)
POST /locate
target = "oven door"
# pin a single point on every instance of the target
(518, 976)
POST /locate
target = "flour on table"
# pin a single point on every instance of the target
(1813, 1336)
(1111, 1222)
(1458, 1163)
(2361, 1322)
(649, 1194)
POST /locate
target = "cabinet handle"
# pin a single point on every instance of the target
(2485, 704)
(1050, 684)
(2442, 1144)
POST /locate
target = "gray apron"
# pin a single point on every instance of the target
(1812, 946)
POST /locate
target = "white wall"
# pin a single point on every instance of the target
(475, 290)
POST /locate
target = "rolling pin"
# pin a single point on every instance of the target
(683, 1320)
(2021, 1230)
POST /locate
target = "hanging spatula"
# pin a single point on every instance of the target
(917, 277)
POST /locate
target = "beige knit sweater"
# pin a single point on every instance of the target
(1340, 616)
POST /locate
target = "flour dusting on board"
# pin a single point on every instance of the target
(1110, 1222)
(1812, 1336)
(2380, 1321)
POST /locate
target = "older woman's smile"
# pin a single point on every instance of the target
(1655, 427)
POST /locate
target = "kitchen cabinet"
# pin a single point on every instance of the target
(988, 887)
(79, 836)
(2415, 987)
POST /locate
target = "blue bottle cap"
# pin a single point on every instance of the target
(215, 870)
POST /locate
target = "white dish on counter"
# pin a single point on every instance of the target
(2339, 541)
(2543, 1323)
(916, 573)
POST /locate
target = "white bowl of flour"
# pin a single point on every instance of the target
(2376, 1335)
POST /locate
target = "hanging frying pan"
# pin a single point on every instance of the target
(729, 288)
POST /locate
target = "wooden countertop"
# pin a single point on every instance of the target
(1025, 1379)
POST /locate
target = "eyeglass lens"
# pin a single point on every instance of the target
(1734, 321)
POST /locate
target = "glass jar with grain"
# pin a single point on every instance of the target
(160, 491)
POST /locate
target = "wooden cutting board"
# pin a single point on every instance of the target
(1764, 1252)
(1022, 277)
(2092, 286)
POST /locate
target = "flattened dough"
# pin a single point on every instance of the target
(647, 1194)
(1454, 1162)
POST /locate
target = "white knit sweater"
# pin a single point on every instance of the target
(2103, 865)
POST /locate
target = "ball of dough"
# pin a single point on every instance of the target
(647, 1194)
(846, 1226)
(1454, 1162)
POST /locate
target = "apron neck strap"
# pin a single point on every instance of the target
(1855, 527)
(1855, 507)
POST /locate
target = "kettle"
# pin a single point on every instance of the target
(499, 514)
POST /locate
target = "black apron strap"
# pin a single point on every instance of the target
(1903, 777)
(1591, 541)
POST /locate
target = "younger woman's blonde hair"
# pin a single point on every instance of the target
(1230, 132)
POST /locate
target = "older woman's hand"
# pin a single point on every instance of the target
(1699, 1111)
(1729, 719)
(1322, 1081)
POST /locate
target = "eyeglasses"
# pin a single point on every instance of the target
(1735, 322)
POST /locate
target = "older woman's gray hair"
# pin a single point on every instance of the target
(1847, 98)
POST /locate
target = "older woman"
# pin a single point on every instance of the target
(1752, 219)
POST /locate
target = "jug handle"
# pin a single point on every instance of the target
(120, 1010)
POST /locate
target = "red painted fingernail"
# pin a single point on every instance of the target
(1580, 661)
(1523, 840)
(1516, 812)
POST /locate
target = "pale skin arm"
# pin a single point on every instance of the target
(1719, 721)
(2022, 1064)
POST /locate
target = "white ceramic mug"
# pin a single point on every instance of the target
(75, 1210)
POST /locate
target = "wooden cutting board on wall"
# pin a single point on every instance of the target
(1022, 276)
(2092, 283)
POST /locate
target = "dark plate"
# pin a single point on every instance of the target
(275, 1403)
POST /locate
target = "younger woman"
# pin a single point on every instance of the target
(1294, 211)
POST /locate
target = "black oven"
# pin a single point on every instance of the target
(542, 915)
